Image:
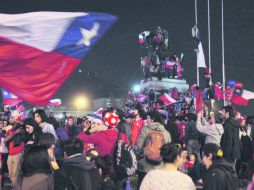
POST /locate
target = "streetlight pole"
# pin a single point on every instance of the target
(223, 56)
(78, 112)
(80, 102)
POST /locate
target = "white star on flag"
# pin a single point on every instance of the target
(88, 35)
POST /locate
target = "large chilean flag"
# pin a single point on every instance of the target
(39, 50)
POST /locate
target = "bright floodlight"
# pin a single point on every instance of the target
(136, 88)
(81, 102)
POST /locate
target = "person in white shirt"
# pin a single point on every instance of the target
(40, 117)
(168, 178)
(213, 130)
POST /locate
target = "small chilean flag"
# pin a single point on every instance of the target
(55, 102)
(200, 52)
(241, 97)
(10, 99)
(167, 100)
(39, 50)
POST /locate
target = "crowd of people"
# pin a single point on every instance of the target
(148, 144)
(106, 151)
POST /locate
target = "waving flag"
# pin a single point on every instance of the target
(166, 99)
(141, 98)
(241, 97)
(199, 47)
(218, 91)
(10, 99)
(199, 101)
(55, 102)
(39, 50)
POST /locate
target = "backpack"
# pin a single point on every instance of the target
(125, 161)
(154, 142)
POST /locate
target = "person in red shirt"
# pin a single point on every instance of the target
(15, 145)
(138, 124)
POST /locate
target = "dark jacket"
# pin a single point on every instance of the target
(191, 132)
(38, 181)
(221, 176)
(72, 131)
(174, 132)
(77, 174)
(123, 127)
(230, 142)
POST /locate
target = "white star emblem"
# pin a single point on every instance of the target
(88, 35)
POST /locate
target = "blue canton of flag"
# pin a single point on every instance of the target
(83, 33)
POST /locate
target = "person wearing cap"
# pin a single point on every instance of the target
(230, 142)
(86, 127)
(220, 174)
(213, 130)
(103, 136)
(86, 123)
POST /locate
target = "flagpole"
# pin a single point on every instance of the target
(209, 48)
(196, 23)
(209, 41)
(223, 60)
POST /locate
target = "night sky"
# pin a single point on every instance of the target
(113, 65)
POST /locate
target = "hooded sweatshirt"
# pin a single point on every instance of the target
(221, 176)
(78, 173)
(230, 142)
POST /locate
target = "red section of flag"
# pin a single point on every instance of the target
(242, 97)
(228, 93)
(11, 101)
(218, 92)
(199, 101)
(239, 100)
(32, 74)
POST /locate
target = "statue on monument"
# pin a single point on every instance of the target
(159, 62)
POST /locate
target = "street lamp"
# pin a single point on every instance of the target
(81, 102)
(136, 88)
